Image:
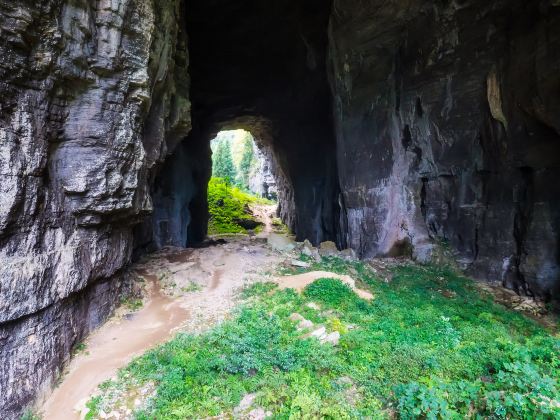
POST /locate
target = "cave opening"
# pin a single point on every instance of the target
(242, 191)
(261, 68)
(238, 160)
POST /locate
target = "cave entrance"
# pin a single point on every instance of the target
(260, 66)
(237, 160)
(242, 190)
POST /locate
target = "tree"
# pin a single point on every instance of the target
(222, 166)
(246, 163)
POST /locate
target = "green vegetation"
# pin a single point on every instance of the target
(132, 303)
(428, 346)
(233, 157)
(30, 415)
(229, 208)
(79, 348)
(192, 287)
(247, 163)
(222, 162)
(94, 407)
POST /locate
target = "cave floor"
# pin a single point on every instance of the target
(183, 290)
(268, 336)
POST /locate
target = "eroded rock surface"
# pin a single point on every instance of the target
(94, 95)
(389, 126)
(448, 127)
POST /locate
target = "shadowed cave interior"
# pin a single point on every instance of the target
(392, 128)
(269, 78)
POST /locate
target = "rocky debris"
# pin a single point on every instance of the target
(245, 404)
(516, 302)
(246, 410)
(280, 242)
(328, 249)
(301, 264)
(313, 305)
(302, 323)
(351, 393)
(348, 254)
(320, 331)
(332, 338)
(296, 317)
(309, 250)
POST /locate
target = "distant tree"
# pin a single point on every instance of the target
(246, 163)
(222, 165)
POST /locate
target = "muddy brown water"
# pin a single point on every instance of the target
(111, 347)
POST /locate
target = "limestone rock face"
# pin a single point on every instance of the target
(93, 98)
(448, 127)
(389, 126)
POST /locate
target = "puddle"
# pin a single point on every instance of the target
(111, 347)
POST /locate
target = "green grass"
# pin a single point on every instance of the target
(428, 346)
(132, 303)
(227, 206)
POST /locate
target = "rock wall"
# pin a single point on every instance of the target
(93, 98)
(448, 127)
(261, 179)
(445, 126)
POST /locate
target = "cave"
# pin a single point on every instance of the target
(269, 77)
(391, 127)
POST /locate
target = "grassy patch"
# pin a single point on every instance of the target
(132, 304)
(428, 346)
(79, 349)
(30, 415)
(229, 207)
(192, 287)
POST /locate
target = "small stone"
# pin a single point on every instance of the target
(332, 338)
(296, 317)
(298, 263)
(348, 254)
(246, 402)
(256, 414)
(305, 324)
(319, 333)
(281, 243)
(313, 305)
(328, 249)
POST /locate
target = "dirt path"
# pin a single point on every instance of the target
(186, 290)
(265, 213)
(113, 346)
